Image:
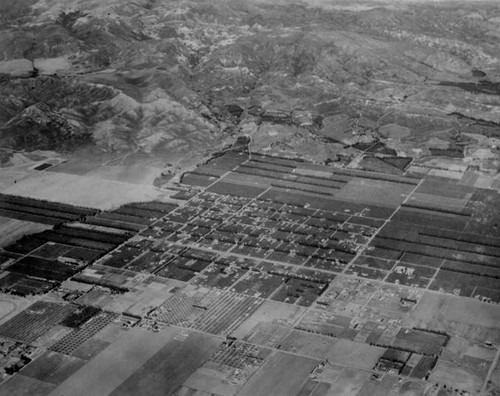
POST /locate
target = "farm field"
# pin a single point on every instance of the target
(34, 321)
(108, 370)
(463, 379)
(22, 385)
(170, 366)
(132, 174)
(12, 230)
(53, 367)
(350, 382)
(345, 352)
(269, 312)
(244, 283)
(375, 191)
(88, 191)
(282, 374)
(444, 312)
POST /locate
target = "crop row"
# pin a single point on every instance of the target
(309, 179)
(92, 235)
(469, 268)
(51, 236)
(420, 217)
(404, 232)
(21, 285)
(434, 251)
(139, 212)
(375, 176)
(163, 207)
(41, 212)
(285, 162)
(120, 225)
(124, 218)
(301, 188)
(478, 240)
(29, 324)
(462, 212)
(47, 205)
(264, 166)
(284, 177)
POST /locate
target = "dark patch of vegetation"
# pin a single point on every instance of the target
(399, 162)
(478, 73)
(452, 152)
(80, 316)
(67, 19)
(483, 86)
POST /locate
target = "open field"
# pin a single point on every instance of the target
(11, 306)
(53, 367)
(6, 308)
(453, 309)
(211, 378)
(307, 344)
(350, 382)
(90, 348)
(82, 190)
(381, 388)
(169, 367)
(459, 378)
(10, 177)
(131, 174)
(269, 312)
(281, 375)
(25, 386)
(354, 354)
(375, 192)
(108, 370)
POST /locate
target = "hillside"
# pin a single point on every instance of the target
(167, 78)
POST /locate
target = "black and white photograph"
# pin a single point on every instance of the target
(249, 197)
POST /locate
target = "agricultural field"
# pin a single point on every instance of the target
(13, 229)
(89, 191)
(53, 368)
(26, 385)
(110, 368)
(41, 211)
(282, 374)
(173, 363)
(84, 332)
(349, 382)
(34, 321)
(268, 266)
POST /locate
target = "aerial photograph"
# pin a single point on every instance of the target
(250, 197)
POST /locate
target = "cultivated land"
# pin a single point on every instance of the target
(115, 364)
(12, 229)
(282, 374)
(268, 287)
(95, 191)
(249, 198)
